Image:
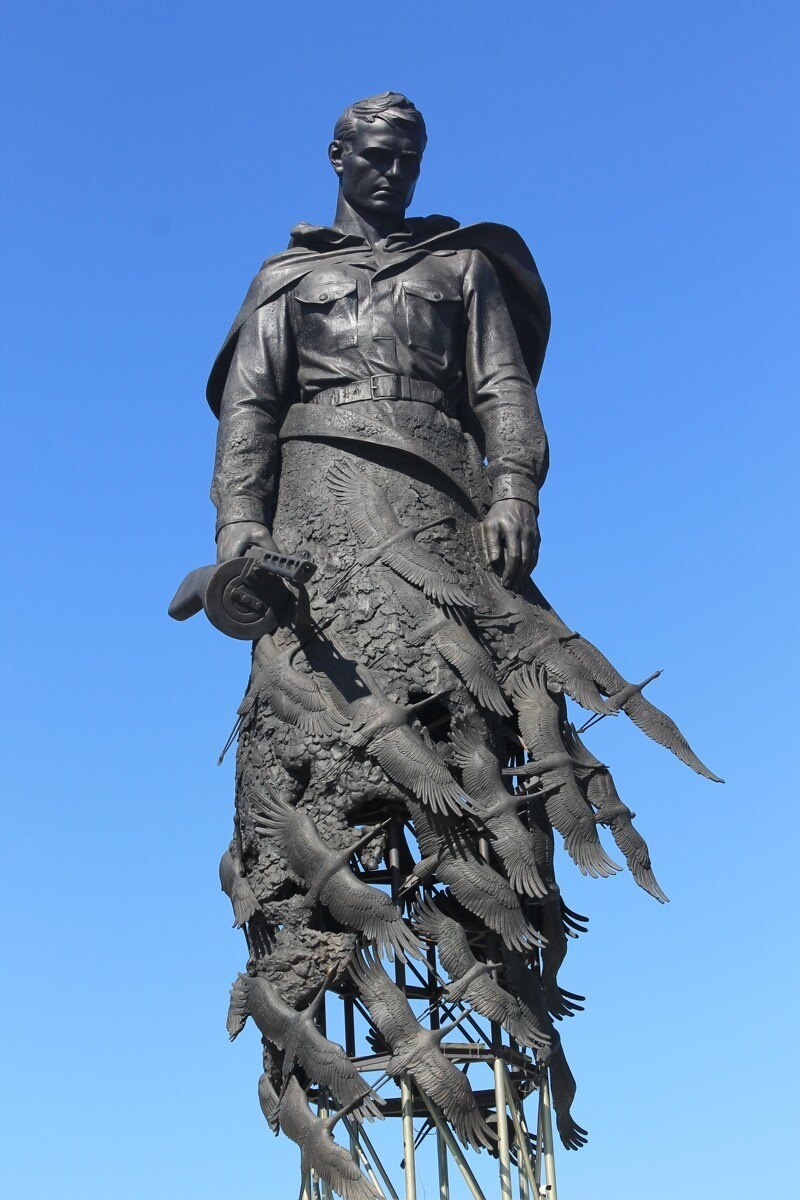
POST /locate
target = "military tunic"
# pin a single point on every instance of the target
(437, 318)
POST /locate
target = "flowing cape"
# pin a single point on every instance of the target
(519, 278)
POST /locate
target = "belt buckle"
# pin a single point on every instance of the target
(375, 388)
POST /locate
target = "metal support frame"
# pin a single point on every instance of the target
(514, 1074)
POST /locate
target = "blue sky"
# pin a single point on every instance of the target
(154, 154)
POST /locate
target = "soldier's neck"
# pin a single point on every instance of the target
(373, 228)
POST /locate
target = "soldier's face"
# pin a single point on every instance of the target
(380, 173)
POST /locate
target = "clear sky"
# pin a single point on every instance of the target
(154, 154)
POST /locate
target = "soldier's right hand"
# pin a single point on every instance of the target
(234, 539)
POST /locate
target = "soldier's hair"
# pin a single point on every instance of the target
(391, 107)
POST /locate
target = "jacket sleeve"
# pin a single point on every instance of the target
(259, 388)
(501, 394)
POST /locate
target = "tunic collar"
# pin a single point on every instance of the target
(323, 237)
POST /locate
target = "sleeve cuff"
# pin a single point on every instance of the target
(515, 487)
(240, 508)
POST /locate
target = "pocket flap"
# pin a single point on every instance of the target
(432, 289)
(322, 289)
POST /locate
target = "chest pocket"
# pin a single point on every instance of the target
(326, 312)
(433, 309)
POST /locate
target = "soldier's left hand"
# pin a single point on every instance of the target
(511, 533)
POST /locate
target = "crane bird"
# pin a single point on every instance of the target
(297, 1034)
(319, 1152)
(498, 811)
(470, 981)
(383, 538)
(416, 1051)
(327, 876)
(540, 727)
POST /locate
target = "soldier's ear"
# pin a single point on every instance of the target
(336, 153)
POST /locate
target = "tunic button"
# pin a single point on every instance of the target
(437, 295)
(323, 295)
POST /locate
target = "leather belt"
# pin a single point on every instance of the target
(381, 387)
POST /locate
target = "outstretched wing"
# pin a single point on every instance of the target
(368, 509)
(449, 1088)
(321, 1153)
(293, 830)
(238, 890)
(489, 896)
(562, 1087)
(543, 731)
(651, 720)
(485, 996)
(472, 664)
(571, 677)
(387, 1005)
(543, 644)
(296, 697)
(425, 570)
(360, 906)
(479, 767)
(411, 763)
(662, 729)
(326, 1063)
(238, 1010)
(612, 812)
(253, 996)
(449, 937)
(511, 840)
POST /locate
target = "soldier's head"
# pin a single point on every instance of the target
(376, 151)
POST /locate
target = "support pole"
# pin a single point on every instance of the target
(350, 1048)
(327, 1194)
(524, 1190)
(547, 1138)
(406, 1097)
(539, 1144)
(502, 1130)
(368, 1146)
(363, 1161)
(453, 1147)
(441, 1149)
(444, 1177)
(407, 1102)
(526, 1171)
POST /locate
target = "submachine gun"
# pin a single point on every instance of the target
(246, 597)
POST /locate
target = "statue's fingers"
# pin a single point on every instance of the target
(491, 538)
(537, 541)
(526, 560)
(513, 555)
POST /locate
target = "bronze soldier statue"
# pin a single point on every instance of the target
(405, 724)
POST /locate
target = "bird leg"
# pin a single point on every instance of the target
(445, 1029)
(420, 704)
(542, 765)
(366, 838)
(619, 700)
(348, 1108)
(231, 739)
(313, 1007)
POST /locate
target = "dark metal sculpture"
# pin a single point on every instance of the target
(406, 755)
